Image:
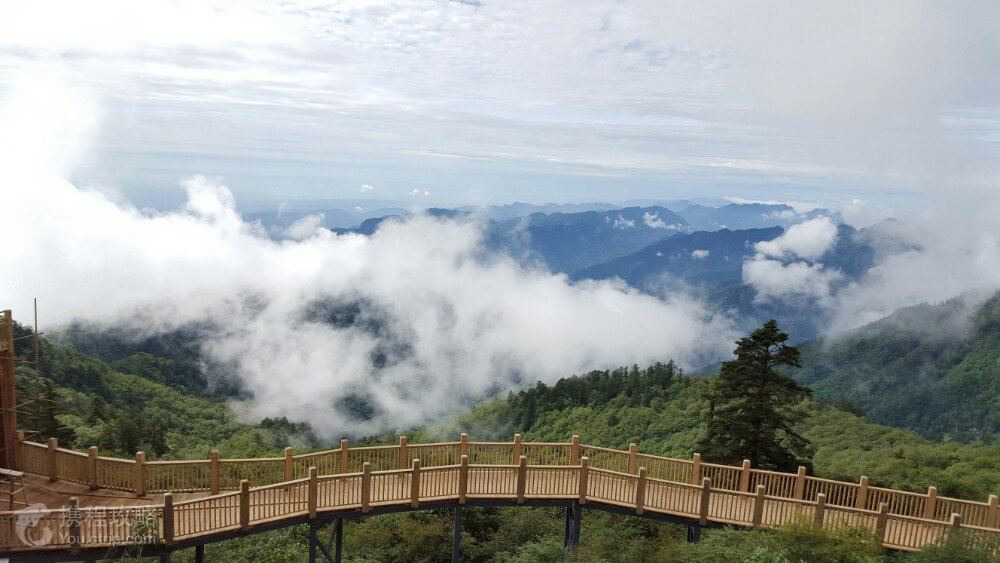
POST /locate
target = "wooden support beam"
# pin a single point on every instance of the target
(574, 451)
(313, 491)
(199, 553)
(53, 465)
(456, 538)
(993, 512)
(366, 486)
(338, 532)
(706, 492)
(522, 474)
(213, 472)
(517, 448)
(880, 522)
(820, 509)
(696, 469)
(168, 518)
(930, 503)
(463, 479)
(584, 475)
(140, 474)
(745, 476)
(758, 506)
(862, 500)
(415, 485)
(244, 504)
(800, 483)
(640, 491)
(463, 444)
(402, 460)
(92, 467)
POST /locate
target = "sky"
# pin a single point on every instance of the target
(455, 102)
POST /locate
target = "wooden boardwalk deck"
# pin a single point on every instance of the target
(294, 489)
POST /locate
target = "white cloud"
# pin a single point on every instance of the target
(305, 227)
(808, 239)
(700, 254)
(418, 191)
(367, 187)
(623, 223)
(774, 280)
(653, 221)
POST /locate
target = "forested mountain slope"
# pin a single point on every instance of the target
(934, 369)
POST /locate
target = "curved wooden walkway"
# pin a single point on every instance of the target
(108, 503)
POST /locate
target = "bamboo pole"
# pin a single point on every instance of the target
(366, 486)
(706, 491)
(584, 464)
(92, 467)
(640, 491)
(213, 472)
(696, 469)
(522, 475)
(140, 474)
(463, 479)
(415, 485)
(862, 499)
(745, 476)
(313, 491)
(758, 506)
(820, 509)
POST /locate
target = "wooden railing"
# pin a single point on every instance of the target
(360, 478)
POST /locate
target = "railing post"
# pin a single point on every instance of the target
(168, 518)
(289, 464)
(313, 491)
(640, 491)
(415, 485)
(463, 479)
(820, 509)
(633, 452)
(244, 504)
(517, 448)
(956, 522)
(213, 472)
(800, 483)
(92, 467)
(522, 477)
(706, 491)
(931, 503)
(993, 512)
(401, 461)
(758, 506)
(53, 466)
(140, 474)
(345, 465)
(695, 469)
(74, 524)
(862, 500)
(584, 471)
(883, 517)
(463, 444)
(366, 486)
(745, 476)
(574, 451)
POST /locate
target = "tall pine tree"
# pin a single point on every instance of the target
(753, 407)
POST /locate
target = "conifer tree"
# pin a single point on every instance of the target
(753, 407)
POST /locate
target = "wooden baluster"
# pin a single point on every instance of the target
(632, 458)
(401, 462)
(463, 445)
(345, 464)
(584, 475)
(74, 525)
(415, 485)
(168, 518)
(517, 448)
(140, 474)
(244, 504)
(745, 476)
(213, 472)
(574, 453)
(706, 491)
(366, 486)
(92, 467)
(463, 479)
(883, 517)
(758, 506)
(820, 509)
(862, 500)
(800, 483)
(993, 512)
(640, 491)
(313, 491)
(696, 469)
(522, 476)
(53, 465)
(930, 504)
(289, 464)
